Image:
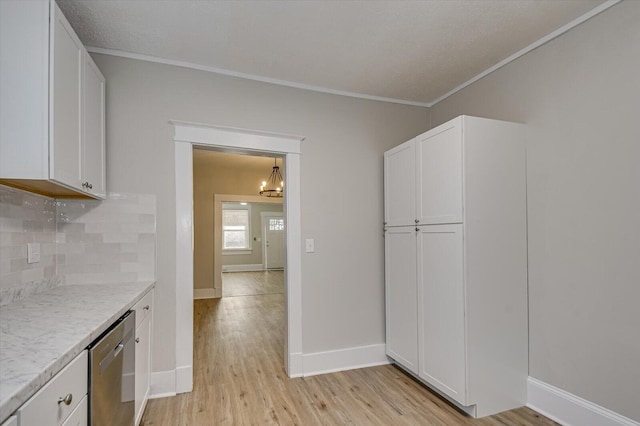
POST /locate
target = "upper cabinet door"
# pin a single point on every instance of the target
(93, 122)
(439, 183)
(64, 115)
(400, 185)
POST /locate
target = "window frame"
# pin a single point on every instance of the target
(248, 249)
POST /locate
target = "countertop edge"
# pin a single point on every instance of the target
(15, 401)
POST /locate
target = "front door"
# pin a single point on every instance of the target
(273, 231)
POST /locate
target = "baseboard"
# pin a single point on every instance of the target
(184, 379)
(163, 384)
(295, 365)
(204, 293)
(568, 409)
(343, 359)
(243, 268)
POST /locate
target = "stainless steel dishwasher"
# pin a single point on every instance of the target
(112, 375)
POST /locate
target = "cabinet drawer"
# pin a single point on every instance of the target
(80, 416)
(143, 307)
(43, 408)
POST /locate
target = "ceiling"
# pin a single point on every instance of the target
(406, 51)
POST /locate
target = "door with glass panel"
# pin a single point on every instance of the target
(273, 231)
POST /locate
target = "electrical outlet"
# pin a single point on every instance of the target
(309, 245)
(33, 253)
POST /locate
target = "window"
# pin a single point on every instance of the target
(235, 229)
(276, 224)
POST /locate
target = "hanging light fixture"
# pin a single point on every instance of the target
(274, 185)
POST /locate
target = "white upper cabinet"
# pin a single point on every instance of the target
(52, 104)
(65, 141)
(93, 122)
(400, 185)
(439, 175)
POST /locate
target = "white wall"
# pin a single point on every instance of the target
(579, 97)
(342, 283)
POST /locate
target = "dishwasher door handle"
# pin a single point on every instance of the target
(107, 360)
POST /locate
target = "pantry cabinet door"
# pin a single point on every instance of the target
(400, 185)
(401, 296)
(439, 183)
(65, 120)
(441, 309)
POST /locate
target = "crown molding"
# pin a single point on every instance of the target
(593, 12)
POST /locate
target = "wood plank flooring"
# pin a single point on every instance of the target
(239, 379)
(252, 283)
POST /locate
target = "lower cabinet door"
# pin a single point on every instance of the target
(401, 297)
(143, 364)
(80, 416)
(441, 309)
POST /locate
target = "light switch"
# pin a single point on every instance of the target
(309, 245)
(33, 253)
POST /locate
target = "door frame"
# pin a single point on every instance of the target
(263, 231)
(185, 136)
(218, 199)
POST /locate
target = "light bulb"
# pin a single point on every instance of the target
(281, 183)
(278, 189)
(264, 183)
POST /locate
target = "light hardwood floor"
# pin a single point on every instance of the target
(252, 283)
(239, 380)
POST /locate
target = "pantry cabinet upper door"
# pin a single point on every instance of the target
(400, 185)
(65, 79)
(439, 183)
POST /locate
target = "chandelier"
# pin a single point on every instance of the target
(274, 185)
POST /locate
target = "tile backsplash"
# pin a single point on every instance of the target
(26, 218)
(82, 241)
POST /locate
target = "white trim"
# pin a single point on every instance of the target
(184, 255)
(579, 20)
(239, 140)
(204, 293)
(295, 364)
(222, 71)
(243, 268)
(163, 384)
(243, 141)
(148, 58)
(344, 359)
(184, 379)
(236, 252)
(568, 409)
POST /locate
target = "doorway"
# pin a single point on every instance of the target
(185, 136)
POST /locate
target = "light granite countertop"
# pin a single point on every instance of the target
(42, 333)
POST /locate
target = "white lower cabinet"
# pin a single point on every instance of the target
(441, 313)
(143, 310)
(80, 414)
(56, 401)
(401, 296)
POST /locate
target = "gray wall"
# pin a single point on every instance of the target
(579, 97)
(342, 283)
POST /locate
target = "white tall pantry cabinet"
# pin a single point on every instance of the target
(456, 262)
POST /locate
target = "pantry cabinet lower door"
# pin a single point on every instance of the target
(401, 296)
(441, 309)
